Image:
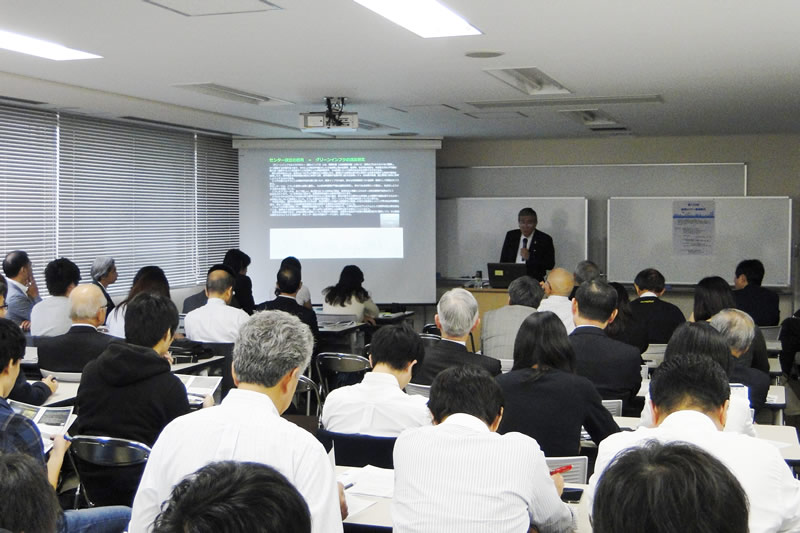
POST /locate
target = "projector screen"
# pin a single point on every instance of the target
(335, 203)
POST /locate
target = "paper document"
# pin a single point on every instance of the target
(198, 387)
(356, 504)
(374, 481)
(50, 420)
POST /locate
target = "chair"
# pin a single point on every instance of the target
(419, 390)
(307, 386)
(224, 349)
(580, 467)
(431, 329)
(358, 450)
(66, 377)
(329, 363)
(98, 460)
(614, 407)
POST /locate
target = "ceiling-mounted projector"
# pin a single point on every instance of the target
(333, 119)
(322, 122)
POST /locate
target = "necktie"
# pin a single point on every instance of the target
(524, 242)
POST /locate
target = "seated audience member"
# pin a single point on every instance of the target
(459, 475)
(585, 271)
(31, 393)
(238, 261)
(23, 293)
(19, 435)
(348, 297)
(129, 391)
(544, 399)
(104, 273)
(738, 330)
(614, 367)
(690, 403)
(29, 502)
(271, 352)
(287, 287)
(499, 327)
(82, 343)
(456, 316)
(557, 289)
(303, 293)
(760, 303)
(149, 279)
(50, 317)
(700, 339)
(664, 488)
(712, 295)
(626, 327)
(216, 321)
(659, 317)
(236, 498)
(790, 344)
(378, 406)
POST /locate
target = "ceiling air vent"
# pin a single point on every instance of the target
(596, 120)
(528, 80)
(232, 94)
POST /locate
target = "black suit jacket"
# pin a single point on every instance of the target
(614, 367)
(109, 302)
(444, 354)
(659, 317)
(759, 303)
(71, 351)
(542, 257)
(195, 301)
(291, 306)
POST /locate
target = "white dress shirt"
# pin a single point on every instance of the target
(376, 406)
(244, 427)
(562, 307)
(214, 322)
(740, 419)
(303, 295)
(50, 317)
(115, 322)
(773, 493)
(527, 244)
(353, 307)
(460, 477)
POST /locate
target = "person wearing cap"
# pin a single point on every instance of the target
(104, 273)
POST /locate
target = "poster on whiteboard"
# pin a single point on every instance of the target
(693, 227)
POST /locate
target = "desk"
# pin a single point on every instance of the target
(775, 371)
(785, 437)
(68, 391)
(333, 335)
(385, 319)
(380, 512)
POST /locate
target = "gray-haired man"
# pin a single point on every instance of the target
(271, 352)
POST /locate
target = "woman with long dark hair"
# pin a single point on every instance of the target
(348, 297)
(150, 279)
(544, 398)
(625, 327)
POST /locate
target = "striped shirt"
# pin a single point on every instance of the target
(19, 434)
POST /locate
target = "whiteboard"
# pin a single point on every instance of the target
(641, 235)
(470, 231)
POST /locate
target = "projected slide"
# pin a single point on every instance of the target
(336, 203)
(334, 208)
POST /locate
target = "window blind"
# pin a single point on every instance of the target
(28, 185)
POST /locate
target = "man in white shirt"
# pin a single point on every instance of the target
(378, 406)
(50, 317)
(23, 293)
(271, 352)
(557, 288)
(500, 326)
(461, 476)
(690, 403)
(216, 321)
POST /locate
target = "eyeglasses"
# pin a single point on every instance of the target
(4, 306)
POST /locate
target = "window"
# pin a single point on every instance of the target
(142, 195)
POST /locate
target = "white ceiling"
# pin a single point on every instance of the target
(720, 66)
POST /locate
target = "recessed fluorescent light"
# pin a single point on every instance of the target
(39, 48)
(426, 18)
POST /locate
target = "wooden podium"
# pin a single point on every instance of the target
(488, 299)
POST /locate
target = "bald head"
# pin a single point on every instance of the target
(87, 304)
(561, 281)
(219, 284)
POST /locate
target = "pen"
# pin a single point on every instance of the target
(348, 486)
(561, 470)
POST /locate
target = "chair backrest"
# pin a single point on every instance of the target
(431, 329)
(330, 363)
(306, 385)
(580, 467)
(358, 450)
(419, 390)
(224, 349)
(67, 377)
(614, 407)
(108, 451)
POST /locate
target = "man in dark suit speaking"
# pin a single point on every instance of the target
(288, 283)
(529, 245)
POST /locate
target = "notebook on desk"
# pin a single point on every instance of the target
(502, 274)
